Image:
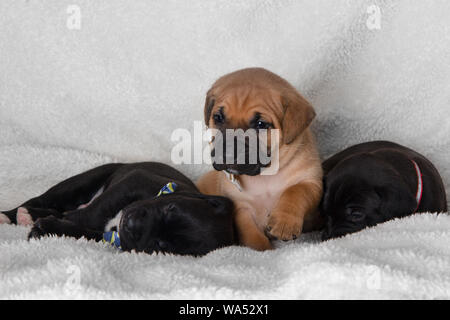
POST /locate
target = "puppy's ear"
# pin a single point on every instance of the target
(396, 200)
(298, 114)
(209, 104)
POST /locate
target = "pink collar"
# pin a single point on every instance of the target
(419, 193)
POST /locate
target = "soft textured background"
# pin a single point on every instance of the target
(115, 90)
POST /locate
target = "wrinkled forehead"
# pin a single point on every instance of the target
(348, 190)
(244, 102)
(340, 189)
(362, 171)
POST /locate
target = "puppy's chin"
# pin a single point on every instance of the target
(239, 169)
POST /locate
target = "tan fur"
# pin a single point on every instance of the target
(281, 205)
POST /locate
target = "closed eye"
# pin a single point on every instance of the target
(171, 207)
(355, 214)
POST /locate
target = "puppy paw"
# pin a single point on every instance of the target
(42, 227)
(261, 246)
(257, 241)
(4, 219)
(284, 226)
(23, 217)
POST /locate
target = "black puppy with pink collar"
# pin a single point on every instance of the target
(374, 182)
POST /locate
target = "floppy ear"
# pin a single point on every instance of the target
(209, 104)
(397, 200)
(298, 114)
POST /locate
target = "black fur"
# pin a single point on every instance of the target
(184, 222)
(375, 182)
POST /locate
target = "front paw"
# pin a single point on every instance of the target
(42, 227)
(23, 217)
(284, 226)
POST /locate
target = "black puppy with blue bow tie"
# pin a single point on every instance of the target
(127, 199)
(375, 182)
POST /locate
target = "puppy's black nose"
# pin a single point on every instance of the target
(131, 223)
(133, 226)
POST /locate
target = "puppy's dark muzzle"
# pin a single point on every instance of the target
(240, 157)
(131, 229)
(239, 169)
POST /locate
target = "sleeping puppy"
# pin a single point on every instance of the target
(277, 204)
(125, 198)
(374, 182)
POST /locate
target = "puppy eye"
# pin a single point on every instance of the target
(355, 214)
(170, 207)
(260, 124)
(219, 117)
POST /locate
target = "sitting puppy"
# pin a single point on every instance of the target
(375, 182)
(269, 204)
(124, 197)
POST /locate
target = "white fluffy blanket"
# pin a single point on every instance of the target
(115, 89)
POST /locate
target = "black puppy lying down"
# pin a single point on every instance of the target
(123, 197)
(377, 181)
